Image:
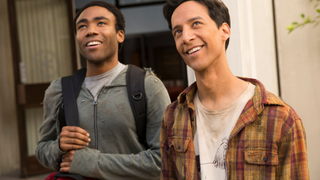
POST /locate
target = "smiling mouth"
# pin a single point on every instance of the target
(193, 50)
(93, 43)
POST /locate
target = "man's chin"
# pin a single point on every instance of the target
(96, 61)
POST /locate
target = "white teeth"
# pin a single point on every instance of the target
(93, 43)
(194, 50)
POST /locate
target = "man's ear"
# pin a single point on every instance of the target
(226, 32)
(120, 36)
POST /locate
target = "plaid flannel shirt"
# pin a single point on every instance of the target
(267, 142)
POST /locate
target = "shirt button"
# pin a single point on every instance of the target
(265, 159)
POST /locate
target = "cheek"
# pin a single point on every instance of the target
(79, 41)
(79, 36)
(178, 47)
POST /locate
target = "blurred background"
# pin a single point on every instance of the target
(37, 45)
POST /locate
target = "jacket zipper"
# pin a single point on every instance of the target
(95, 122)
(95, 103)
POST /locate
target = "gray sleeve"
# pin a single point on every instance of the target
(144, 165)
(48, 152)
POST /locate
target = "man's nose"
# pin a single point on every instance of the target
(91, 30)
(188, 36)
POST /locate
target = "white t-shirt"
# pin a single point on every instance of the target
(95, 83)
(212, 134)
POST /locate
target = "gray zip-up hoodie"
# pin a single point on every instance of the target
(114, 151)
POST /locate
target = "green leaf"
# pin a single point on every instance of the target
(302, 15)
(294, 23)
(290, 27)
(318, 10)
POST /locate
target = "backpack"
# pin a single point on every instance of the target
(71, 86)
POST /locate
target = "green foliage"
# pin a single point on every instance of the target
(307, 19)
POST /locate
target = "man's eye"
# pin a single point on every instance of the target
(196, 23)
(81, 26)
(177, 32)
(101, 23)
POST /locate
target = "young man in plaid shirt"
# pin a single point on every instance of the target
(222, 126)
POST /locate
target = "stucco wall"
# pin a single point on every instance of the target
(299, 55)
(9, 144)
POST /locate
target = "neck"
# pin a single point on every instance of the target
(218, 87)
(94, 69)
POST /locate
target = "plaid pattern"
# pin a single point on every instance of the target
(268, 141)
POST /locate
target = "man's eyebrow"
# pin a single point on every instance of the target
(81, 21)
(189, 20)
(175, 27)
(95, 19)
(101, 17)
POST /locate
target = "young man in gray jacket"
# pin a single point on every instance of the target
(106, 144)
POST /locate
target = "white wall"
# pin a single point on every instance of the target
(251, 50)
(299, 55)
(264, 44)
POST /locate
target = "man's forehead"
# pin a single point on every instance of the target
(95, 12)
(188, 10)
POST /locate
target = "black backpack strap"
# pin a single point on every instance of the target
(71, 86)
(68, 113)
(136, 94)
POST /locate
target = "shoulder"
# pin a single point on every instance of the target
(282, 108)
(151, 78)
(154, 85)
(180, 108)
(54, 92)
(55, 85)
(281, 113)
(272, 108)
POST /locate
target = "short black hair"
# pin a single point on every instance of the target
(217, 11)
(120, 23)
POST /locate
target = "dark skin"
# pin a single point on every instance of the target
(71, 139)
(66, 161)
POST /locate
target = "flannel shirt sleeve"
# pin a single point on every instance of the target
(167, 169)
(293, 154)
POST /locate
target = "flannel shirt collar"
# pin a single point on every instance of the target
(260, 97)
